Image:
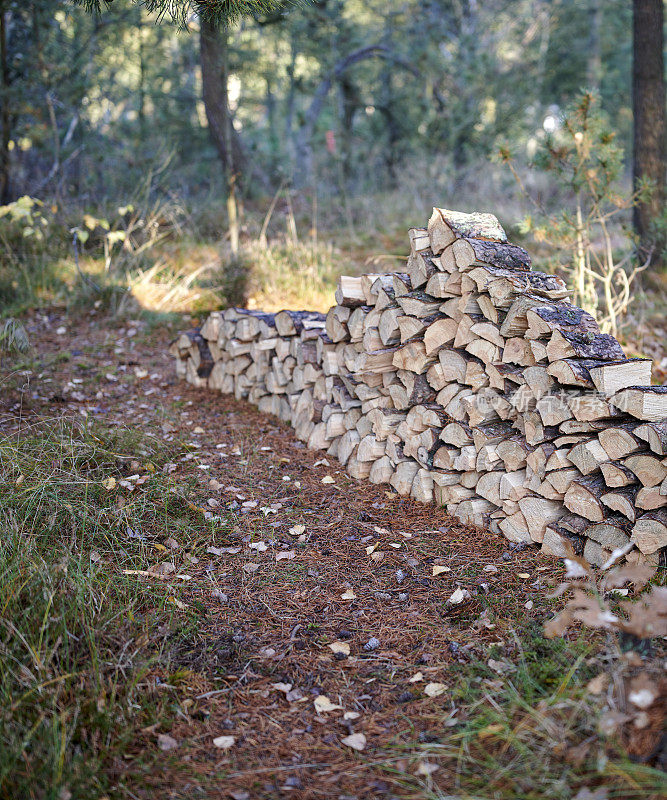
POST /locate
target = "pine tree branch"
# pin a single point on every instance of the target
(218, 12)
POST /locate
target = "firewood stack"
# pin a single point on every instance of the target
(468, 380)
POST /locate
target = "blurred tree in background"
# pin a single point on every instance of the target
(331, 100)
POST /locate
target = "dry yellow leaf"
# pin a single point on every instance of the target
(339, 647)
(357, 741)
(323, 704)
(224, 742)
(438, 570)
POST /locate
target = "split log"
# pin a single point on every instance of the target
(588, 456)
(457, 433)
(438, 334)
(290, 323)
(561, 479)
(613, 532)
(401, 284)
(412, 356)
(623, 501)
(419, 304)
(445, 226)
(601, 346)
(647, 468)
(616, 375)
(444, 285)
(349, 292)
(649, 498)
(583, 497)
(336, 323)
(650, 531)
(655, 434)
(643, 402)
(404, 476)
(538, 513)
(515, 528)
(617, 475)
(619, 441)
(513, 453)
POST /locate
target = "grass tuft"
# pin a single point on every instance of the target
(78, 639)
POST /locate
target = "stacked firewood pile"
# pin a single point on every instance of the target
(469, 380)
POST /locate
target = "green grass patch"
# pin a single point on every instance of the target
(529, 732)
(78, 638)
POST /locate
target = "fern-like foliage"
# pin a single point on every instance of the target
(221, 12)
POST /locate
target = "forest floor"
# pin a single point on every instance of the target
(195, 605)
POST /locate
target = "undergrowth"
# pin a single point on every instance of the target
(525, 727)
(78, 638)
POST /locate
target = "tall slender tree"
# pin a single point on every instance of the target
(648, 90)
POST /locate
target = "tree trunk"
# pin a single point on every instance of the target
(594, 65)
(213, 43)
(5, 116)
(648, 89)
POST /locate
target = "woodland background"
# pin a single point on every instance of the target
(200, 165)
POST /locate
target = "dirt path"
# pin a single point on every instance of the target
(318, 614)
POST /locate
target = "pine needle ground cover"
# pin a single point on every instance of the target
(194, 605)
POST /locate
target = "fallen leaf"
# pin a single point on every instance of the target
(434, 689)
(323, 704)
(260, 547)
(371, 548)
(426, 768)
(282, 687)
(523, 575)
(490, 568)
(351, 715)
(250, 567)
(166, 742)
(297, 530)
(438, 570)
(418, 676)
(162, 569)
(327, 479)
(598, 684)
(285, 555)
(643, 691)
(224, 742)
(348, 594)
(357, 741)
(109, 483)
(339, 647)
(459, 595)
